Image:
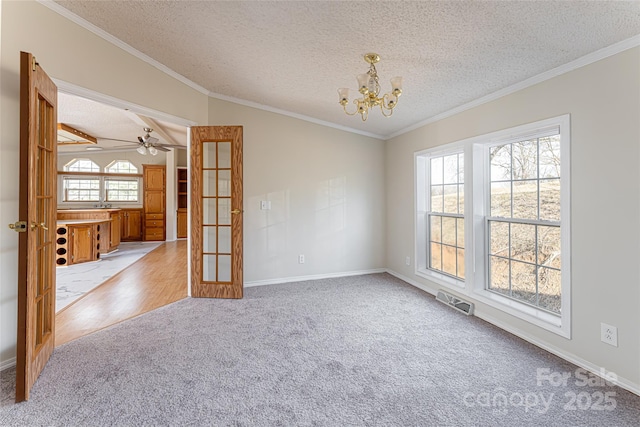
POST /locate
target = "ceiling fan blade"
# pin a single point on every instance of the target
(141, 140)
(151, 140)
(160, 148)
(170, 145)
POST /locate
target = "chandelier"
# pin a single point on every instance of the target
(370, 89)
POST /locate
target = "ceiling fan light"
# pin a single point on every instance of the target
(142, 150)
(153, 150)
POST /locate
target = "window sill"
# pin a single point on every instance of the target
(550, 322)
(441, 279)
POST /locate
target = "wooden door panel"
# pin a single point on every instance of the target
(154, 178)
(82, 238)
(216, 211)
(154, 202)
(37, 206)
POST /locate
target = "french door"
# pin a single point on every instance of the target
(37, 223)
(216, 211)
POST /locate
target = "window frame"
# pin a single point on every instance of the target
(80, 178)
(476, 208)
(423, 187)
(102, 178)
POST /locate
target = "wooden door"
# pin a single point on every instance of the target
(154, 177)
(216, 211)
(38, 200)
(154, 201)
(182, 224)
(81, 243)
(114, 238)
(131, 225)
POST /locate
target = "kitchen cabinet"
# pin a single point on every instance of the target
(82, 243)
(154, 177)
(115, 231)
(131, 225)
(110, 228)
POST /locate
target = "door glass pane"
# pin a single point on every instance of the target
(224, 240)
(208, 183)
(209, 155)
(209, 211)
(209, 268)
(224, 155)
(224, 183)
(224, 268)
(209, 239)
(224, 211)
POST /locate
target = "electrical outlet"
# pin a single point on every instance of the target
(609, 334)
(407, 260)
(300, 259)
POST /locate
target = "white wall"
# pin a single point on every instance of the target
(326, 189)
(604, 102)
(71, 54)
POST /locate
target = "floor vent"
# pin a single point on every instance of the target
(455, 302)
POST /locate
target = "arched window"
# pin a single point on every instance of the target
(121, 166)
(81, 165)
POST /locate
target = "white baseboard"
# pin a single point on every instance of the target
(6, 364)
(312, 277)
(569, 357)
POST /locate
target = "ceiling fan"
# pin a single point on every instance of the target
(147, 143)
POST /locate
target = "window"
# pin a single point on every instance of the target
(81, 189)
(506, 195)
(445, 217)
(524, 221)
(81, 165)
(121, 166)
(121, 190)
(86, 183)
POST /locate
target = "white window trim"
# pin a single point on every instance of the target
(475, 152)
(103, 191)
(422, 170)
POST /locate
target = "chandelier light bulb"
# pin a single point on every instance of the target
(142, 150)
(153, 150)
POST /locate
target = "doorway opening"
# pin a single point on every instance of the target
(125, 292)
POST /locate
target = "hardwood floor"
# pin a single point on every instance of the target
(159, 278)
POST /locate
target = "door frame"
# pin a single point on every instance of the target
(75, 90)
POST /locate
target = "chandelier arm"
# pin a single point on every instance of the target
(344, 107)
(383, 108)
(385, 102)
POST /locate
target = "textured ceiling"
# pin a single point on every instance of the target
(294, 55)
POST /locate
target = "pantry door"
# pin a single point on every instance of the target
(216, 211)
(37, 223)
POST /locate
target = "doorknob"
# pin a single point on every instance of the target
(41, 225)
(236, 211)
(19, 226)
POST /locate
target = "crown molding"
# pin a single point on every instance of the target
(294, 115)
(119, 43)
(587, 59)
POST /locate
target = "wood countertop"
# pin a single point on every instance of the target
(90, 210)
(81, 221)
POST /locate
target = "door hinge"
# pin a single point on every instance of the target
(33, 63)
(19, 226)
